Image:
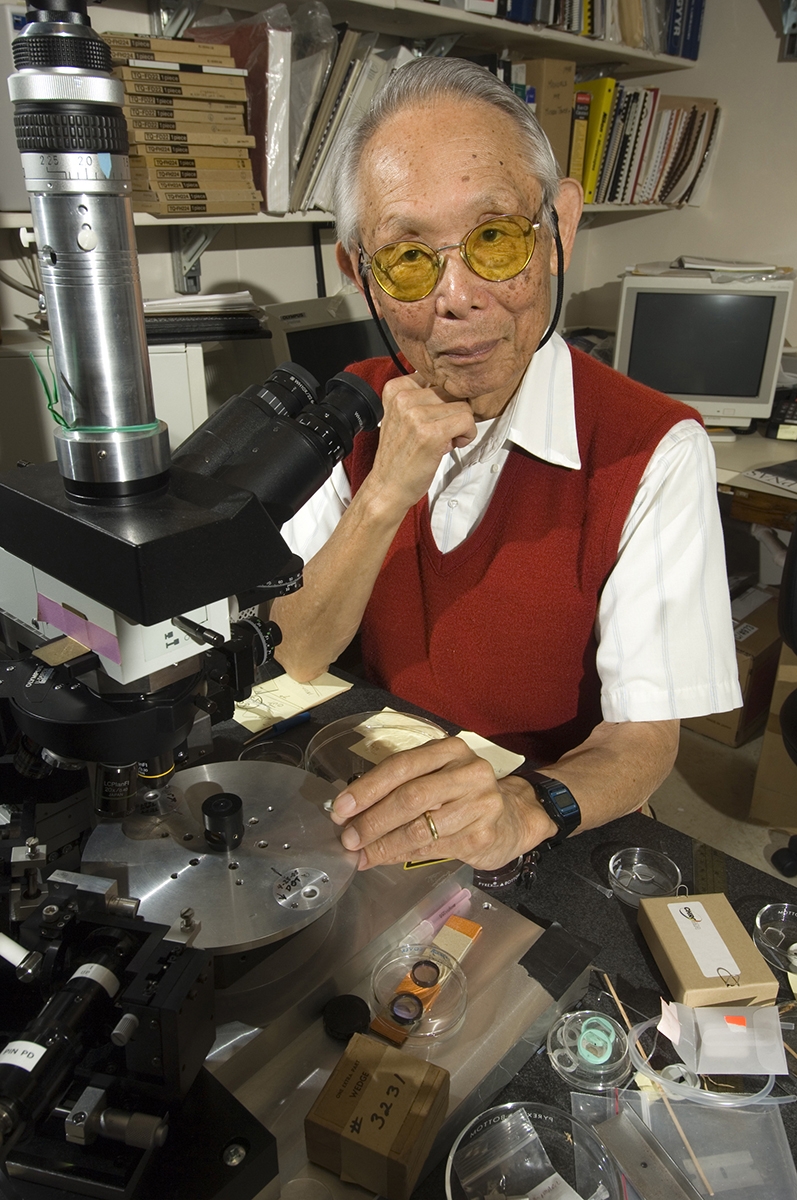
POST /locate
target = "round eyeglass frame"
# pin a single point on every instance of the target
(435, 256)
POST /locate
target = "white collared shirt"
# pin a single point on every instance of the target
(665, 638)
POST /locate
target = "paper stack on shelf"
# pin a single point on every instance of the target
(185, 105)
(192, 319)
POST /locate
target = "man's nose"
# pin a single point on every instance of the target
(459, 289)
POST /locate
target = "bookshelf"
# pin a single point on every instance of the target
(421, 19)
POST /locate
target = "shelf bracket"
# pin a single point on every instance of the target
(171, 18)
(188, 244)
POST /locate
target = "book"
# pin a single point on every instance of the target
(165, 69)
(578, 136)
(602, 96)
(145, 42)
(198, 135)
(676, 27)
(699, 186)
(125, 57)
(373, 74)
(612, 147)
(692, 29)
(339, 70)
(208, 116)
(160, 177)
(626, 142)
(234, 84)
(209, 194)
(211, 159)
(178, 104)
(188, 152)
(186, 128)
(188, 91)
(782, 475)
(645, 145)
(554, 82)
(197, 208)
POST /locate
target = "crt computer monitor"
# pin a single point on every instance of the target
(716, 346)
(324, 335)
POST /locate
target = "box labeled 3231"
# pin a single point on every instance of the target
(377, 1116)
(704, 952)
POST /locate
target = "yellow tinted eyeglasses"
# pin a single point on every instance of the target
(496, 250)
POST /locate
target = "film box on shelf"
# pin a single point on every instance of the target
(376, 1117)
(757, 649)
(704, 952)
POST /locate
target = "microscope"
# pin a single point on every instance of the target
(130, 582)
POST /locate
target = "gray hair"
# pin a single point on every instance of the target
(417, 83)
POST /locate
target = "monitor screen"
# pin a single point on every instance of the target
(716, 346)
(700, 345)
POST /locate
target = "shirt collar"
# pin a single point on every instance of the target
(542, 418)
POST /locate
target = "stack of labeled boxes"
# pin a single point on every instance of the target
(185, 104)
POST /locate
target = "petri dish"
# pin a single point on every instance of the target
(589, 1051)
(422, 989)
(344, 750)
(775, 935)
(637, 873)
(519, 1149)
(273, 751)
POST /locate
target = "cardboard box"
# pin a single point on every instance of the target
(554, 79)
(757, 649)
(774, 801)
(377, 1116)
(704, 952)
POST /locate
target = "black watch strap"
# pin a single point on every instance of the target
(558, 801)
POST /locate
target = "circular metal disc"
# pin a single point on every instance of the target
(289, 869)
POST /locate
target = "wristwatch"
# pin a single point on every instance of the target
(558, 801)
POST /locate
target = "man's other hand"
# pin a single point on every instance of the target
(483, 821)
(420, 426)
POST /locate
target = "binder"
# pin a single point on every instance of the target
(602, 92)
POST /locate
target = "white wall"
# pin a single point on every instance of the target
(751, 208)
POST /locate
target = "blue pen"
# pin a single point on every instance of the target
(288, 723)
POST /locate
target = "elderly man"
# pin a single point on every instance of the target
(530, 544)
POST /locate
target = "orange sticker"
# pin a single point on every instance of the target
(736, 1020)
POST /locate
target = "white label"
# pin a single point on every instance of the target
(553, 1188)
(100, 975)
(703, 938)
(21, 1054)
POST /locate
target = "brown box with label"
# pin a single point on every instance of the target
(377, 1116)
(553, 79)
(774, 801)
(757, 649)
(677, 938)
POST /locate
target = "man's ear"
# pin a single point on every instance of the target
(349, 263)
(569, 203)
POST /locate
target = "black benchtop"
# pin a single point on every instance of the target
(558, 895)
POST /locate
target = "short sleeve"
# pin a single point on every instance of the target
(316, 521)
(666, 646)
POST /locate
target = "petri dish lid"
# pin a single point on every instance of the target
(421, 988)
(775, 935)
(590, 1051)
(345, 749)
(636, 873)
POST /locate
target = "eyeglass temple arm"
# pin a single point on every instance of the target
(560, 277)
(372, 309)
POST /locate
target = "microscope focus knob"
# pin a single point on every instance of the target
(223, 818)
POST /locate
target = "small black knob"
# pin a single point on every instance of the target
(224, 823)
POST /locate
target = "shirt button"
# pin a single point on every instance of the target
(452, 503)
(495, 468)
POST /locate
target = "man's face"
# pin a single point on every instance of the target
(431, 174)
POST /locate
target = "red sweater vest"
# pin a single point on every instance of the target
(498, 635)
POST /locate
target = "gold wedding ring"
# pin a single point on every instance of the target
(432, 826)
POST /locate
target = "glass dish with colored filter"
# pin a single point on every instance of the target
(589, 1051)
(637, 873)
(420, 992)
(528, 1149)
(344, 750)
(775, 935)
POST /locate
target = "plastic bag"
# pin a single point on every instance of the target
(313, 53)
(262, 45)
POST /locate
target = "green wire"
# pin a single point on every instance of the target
(52, 400)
